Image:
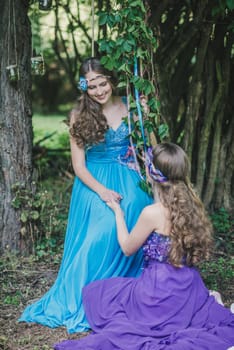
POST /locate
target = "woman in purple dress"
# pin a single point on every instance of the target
(168, 306)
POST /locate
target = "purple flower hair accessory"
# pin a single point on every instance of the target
(154, 173)
(83, 84)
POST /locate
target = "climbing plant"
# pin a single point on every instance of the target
(128, 47)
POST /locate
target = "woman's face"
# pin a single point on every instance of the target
(99, 87)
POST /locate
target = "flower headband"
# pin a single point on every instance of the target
(83, 83)
(154, 173)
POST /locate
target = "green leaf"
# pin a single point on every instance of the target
(16, 203)
(24, 217)
(111, 20)
(148, 87)
(117, 18)
(125, 67)
(104, 60)
(127, 46)
(103, 18)
(163, 131)
(35, 215)
(122, 84)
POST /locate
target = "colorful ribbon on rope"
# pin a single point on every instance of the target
(138, 104)
(132, 147)
(154, 173)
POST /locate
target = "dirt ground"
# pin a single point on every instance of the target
(22, 281)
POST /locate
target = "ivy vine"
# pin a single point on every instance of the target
(129, 39)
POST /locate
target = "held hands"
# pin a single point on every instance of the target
(114, 205)
(109, 196)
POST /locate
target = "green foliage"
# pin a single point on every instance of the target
(44, 206)
(218, 272)
(30, 206)
(135, 38)
(47, 246)
(163, 131)
(46, 125)
(131, 40)
(145, 186)
(222, 7)
(220, 269)
(51, 149)
(221, 220)
(43, 217)
(12, 299)
(223, 230)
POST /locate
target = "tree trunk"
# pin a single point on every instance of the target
(15, 120)
(195, 92)
(194, 62)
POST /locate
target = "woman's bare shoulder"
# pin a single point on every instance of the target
(152, 209)
(158, 216)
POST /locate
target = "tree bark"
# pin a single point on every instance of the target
(194, 39)
(15, 119)
(195, 92)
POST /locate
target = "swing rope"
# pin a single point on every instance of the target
(137, 99)
(133, 150)
(136, 92)
(140, 117)
(138, 104)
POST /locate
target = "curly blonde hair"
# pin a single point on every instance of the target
(191, 230)
(90, 124)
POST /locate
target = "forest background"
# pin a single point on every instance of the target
(183, 52)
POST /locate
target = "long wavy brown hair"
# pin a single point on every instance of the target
(90, 123)
(191, 229)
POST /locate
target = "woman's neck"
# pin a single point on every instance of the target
(109, 104)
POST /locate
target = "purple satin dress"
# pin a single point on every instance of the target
(166, 308)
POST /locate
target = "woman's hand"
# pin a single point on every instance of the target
(109, 196)
(144, 104)
(114, 205)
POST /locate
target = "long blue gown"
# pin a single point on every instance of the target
(91, 249)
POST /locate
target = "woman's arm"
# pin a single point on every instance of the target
(81, 171)
(79, 166)
(130, 243)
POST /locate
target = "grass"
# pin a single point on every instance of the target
(50, 127)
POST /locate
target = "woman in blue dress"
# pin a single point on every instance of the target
(168, 306)
(104, 171)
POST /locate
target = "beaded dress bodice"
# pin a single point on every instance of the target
(115, 144)
(115, 147)
(156, 248)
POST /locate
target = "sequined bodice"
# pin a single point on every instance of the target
(114, 148)
(115, 144)
(156, 248)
